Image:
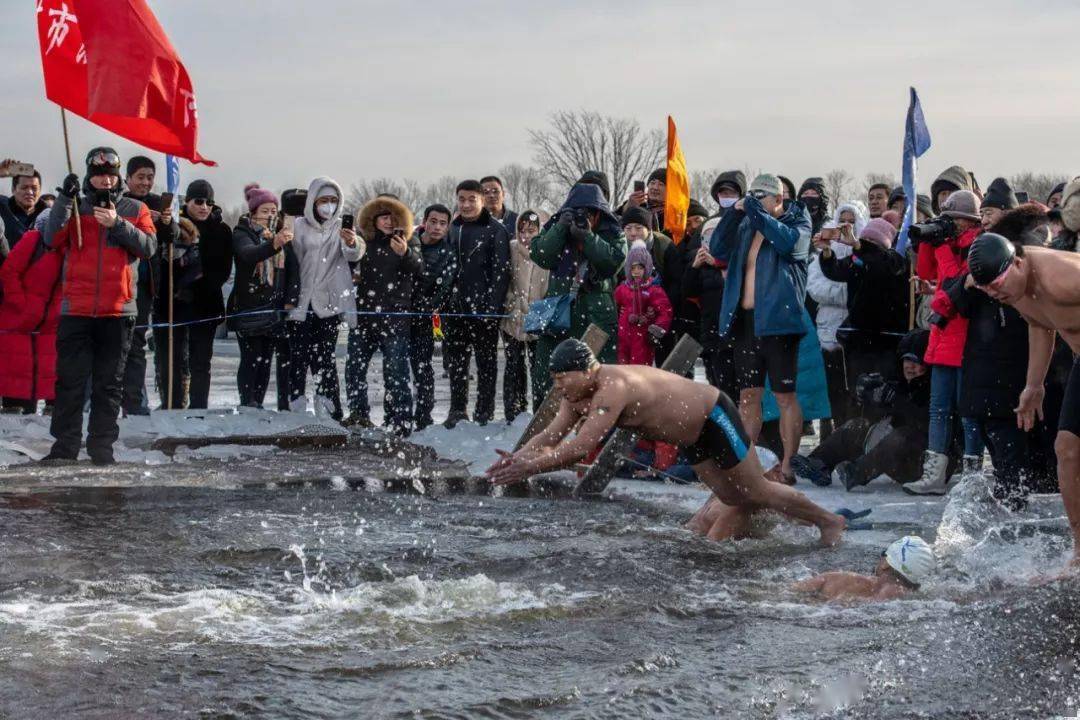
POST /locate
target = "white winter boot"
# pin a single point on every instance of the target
(972, 465)
(932, 482)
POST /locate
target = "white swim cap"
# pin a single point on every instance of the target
(912, 557)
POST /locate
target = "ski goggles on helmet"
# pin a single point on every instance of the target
(103, 162)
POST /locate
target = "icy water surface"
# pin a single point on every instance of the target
(313, 603)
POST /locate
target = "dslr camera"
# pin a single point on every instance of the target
(935, 231)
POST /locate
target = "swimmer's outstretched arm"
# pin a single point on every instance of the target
(811, 585)
(603, 415)
(563, 422)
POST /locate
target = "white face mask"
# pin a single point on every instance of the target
(726, 202)
(327, 210)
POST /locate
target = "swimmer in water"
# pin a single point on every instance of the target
(661, 406)
(903, 568)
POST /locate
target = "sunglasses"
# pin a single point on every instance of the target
(759, 194)
(202, 202)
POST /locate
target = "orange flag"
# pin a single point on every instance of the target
(677, 200)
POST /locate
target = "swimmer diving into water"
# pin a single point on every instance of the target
(664, 407)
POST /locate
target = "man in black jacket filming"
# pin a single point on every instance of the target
(890, 435)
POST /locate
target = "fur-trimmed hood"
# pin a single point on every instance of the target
(403, 217)
(1028, 224)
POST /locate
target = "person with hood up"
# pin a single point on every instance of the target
(767, 250)
(97, 313)
(384, 287)
(940, 262)
(832, 303)
(528, 283)
(726, 190)
(644, 310)
(29, 316)
(323, 250)
(582, 239)
(812, 195)
(430, 293)
(889, 431)
(267, 287)
(186, 269)
(481, 248)
(1053, 200)
(949, 181)
(667, 260)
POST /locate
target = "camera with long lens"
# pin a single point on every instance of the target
(935, 231)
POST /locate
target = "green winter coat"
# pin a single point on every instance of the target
(605, 253)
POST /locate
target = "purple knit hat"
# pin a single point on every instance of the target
(639, 255)
(257, 196)
(880, 231)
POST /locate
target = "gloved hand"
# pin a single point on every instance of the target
(634, 319)
(580, 230)
(657, 333)
(884, 395)
(190, 257)
(566, 219)
(754, 210)
(70, 186)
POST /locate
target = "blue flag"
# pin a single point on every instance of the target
(172, 178)
(916, 142)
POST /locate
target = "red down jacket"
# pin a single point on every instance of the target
(940, 264)
(29, 315)
(100, 276)
(650, 305)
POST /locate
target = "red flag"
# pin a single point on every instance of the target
(110, 62)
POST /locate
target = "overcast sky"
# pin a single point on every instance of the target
(288, 90)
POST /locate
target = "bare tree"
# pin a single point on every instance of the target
(700, 183)
(1037, 185)
(527, 188)
(582, 140)
(873, 178)
(838, 185)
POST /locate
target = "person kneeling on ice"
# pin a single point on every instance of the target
(903, 568)
(657, 405)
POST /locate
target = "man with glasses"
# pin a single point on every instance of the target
(495, 203)
(766, 250)
(97, 312)
(1044, 286)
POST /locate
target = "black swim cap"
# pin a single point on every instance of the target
(990, 255)
(572, 356)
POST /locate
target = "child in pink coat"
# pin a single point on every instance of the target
(644, 309)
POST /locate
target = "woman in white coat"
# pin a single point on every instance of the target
(528, 283)
(831, 298)
(324, 250)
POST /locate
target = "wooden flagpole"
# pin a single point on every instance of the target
(67, 151)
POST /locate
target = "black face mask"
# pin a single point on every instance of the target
(813, 204)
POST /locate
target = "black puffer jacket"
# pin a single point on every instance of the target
(384, 280)
(260, 284)
(432, 288)
(877, 284)
(705, 287)
(994, 368)
(482, 250)
(216, 256)
(907, 404)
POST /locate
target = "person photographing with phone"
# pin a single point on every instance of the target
(384, 278)
(98, 307)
